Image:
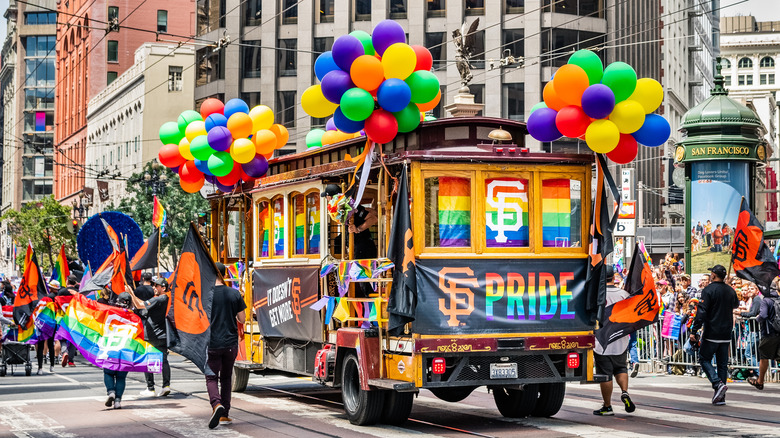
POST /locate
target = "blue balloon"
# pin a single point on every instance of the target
(394, 95)
(324, 64)
(215, 119)
(598, 101)
(235, 106)
(541, 125)
(345, 50)
(344, 124)
(335, 84)
(203, 166)
(654, 132)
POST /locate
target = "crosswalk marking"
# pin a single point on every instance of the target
(183, 424)
(34, 424)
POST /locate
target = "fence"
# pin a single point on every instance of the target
(663, 352)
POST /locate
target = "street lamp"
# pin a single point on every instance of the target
(155, 179)
(81, 210)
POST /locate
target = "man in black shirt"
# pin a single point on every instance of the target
(145, 291)
(155, 332)
(718, 301)
(227, 311)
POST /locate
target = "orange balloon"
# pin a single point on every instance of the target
(269, 155)
(282, 135)
(240, 125)
(330, 137)
(430, 105)
(551, 98)
(192, 187)
(367, 72)
(570, 82)
(265, 141)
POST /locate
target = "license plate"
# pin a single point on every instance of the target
(503, 370)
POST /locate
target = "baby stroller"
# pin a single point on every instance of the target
(13, 353)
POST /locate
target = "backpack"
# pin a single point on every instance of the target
(774, 320)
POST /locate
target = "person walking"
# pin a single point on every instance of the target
(714, 316)
(146, 290)
(69, 350)
(116, 381)
(611, 360)
(155, 331)
(769, 347)
(227, 311)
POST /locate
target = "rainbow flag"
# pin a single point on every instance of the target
(313, 206)
(109, 337)
(45, 317)
(556, 212)
(506, 212)
(454, 212)
(235, 270)
(60, 271)
(264, 219)
(278, 209)
(159, 215)
(300, 226)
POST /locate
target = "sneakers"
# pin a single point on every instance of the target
(147, 393)
(71, 364)
(630, 406)
(118, 404)
(51, 369)
(165, 391)
(225, 420)
(216, 415)
(635, 370)
(40, 372)
(604, 411)
(110, 399)
(719, 399)
(64, 359)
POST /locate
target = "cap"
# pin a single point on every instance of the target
(221, 268)
(331, 190)
(718, 270)
(55, 284)
(610, 273)
(123, 299)
(160, 281)
(72, 279)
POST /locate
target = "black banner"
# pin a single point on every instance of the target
(488, 296)
(282, 297)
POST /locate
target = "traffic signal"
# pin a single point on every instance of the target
(75, 226)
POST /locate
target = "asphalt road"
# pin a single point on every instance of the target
(69, 403)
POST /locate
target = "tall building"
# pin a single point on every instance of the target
(274, 43)
(89, 59)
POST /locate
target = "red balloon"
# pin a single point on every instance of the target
(211, 106)
(169, 156)
(192, 187)
(189, 173)
(381, 126)
(424, 58)
(625, 151)
(572, 121)
(231, 178)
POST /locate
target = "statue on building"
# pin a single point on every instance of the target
(465, 42)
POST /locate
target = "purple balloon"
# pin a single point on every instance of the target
(344, 124)
(345, 50)
(654, 132)
(331, 124)
(175, 169)
(257, 167)
(215, 119)
(541, 125)
(223, 188)
(393, 95)
(598, 101)
(387, 33)
(220, 138)
(211, 178)
(335, 84)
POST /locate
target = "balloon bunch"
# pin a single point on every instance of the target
(224, 144)
(375, 83)
(607, 107)
(318, 137)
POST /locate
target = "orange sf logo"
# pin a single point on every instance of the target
(188, 309)
(296, 298)
(461, 301)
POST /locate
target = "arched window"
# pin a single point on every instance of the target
(725, 63)
(745, 63)
(767, 62)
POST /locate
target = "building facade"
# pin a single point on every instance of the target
(130, 110)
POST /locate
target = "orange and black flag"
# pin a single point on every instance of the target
(751, 257)
(402, 302)
(601, 244)
(192, 291)
(31, 289)
(146, 256)
(637, 311)
(112, 237)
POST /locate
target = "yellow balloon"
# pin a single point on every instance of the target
(195, 129)
(262, 117)
(399, 61)
(649, 93)
(184, 149)
(602, 136)
(242, 150)
(628, 116)
(315, 104)
(330, 137)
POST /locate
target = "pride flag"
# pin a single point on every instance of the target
(60, 271)
(45, 317)
(159, 215)
(278, 209)
(556, 212)
(300, 227)
(235, 269)
(313, 207)
(506, 212)
(454, 212)
(264, 219)
(109, 337)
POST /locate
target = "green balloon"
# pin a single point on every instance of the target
(200, 149)
(621, 79)
(364, 39)
(537, 106)
(186, 117)
(590, 62)
(170, 134)
(424, 86)
(220, 164)
(408, 118)
(357, 104)
(314, 138)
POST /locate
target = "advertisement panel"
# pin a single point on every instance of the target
(717, 188)
(282, 298)
(484, 296)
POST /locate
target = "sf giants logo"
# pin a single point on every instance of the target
(461, 299)
(497, 193)
(296, 298)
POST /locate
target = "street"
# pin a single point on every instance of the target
(69, 403)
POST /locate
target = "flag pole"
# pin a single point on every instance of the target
(731, 260)
(159, 238)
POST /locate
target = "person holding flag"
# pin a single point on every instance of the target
(155, 331)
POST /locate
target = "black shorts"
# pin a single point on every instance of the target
(769, 348)
(611, 365)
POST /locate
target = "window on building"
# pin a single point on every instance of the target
(264, 227)
(34, 190)
(286, 57)
(557, 44)
(326, 11)
(252, 98)
(591, 8)
(513, 107)
(745, 63)
(250, 53)
(211, 15)
(506, 228)
(762, 79)
(174, 78)
(727, 80)
(253, 13)
(39, 46)
(771, 79)
(749, 80)
(127, 149)
(725, 63)
(39, 72)
(397, 9)
(110, 77)
(513, 43)
(113, 13)
(478, 90)
(162, 21)
(767, 62)
(741, 80)
(210, 66)
(38, 98)
(437, 8)
(38, 121)
(289, 11)
(285, 108)
(306, 222)
(515, 6)
(478, 59)
(475, 7)
(137, 141)
(38, 167)
(40, 18)
(40, 144)
(362, 10)
(436, 42)
(113, 51)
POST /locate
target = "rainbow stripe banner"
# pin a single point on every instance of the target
(556, 212)
(109, 337)
(454, 212)
(300, 226)
(278, 209)
(264, 218)
(313, 208)
(60, 271)
(159, 215)
(506, 212)
(45, 317)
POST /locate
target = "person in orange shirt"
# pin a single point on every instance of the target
(717, 239)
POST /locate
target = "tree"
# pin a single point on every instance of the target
(181, 207)
(46, 225)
